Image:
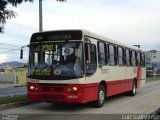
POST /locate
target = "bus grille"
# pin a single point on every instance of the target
(53, 89)
(49, 97)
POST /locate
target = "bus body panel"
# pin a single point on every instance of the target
(118, 79)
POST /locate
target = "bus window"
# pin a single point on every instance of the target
(133, 58)
(120, 56)
(102, 53)
(91, 61)
(143, 59)
(112, 55)
(87, 50)
(138, 59)
(48, 58)
(127, 57)
(35, 58)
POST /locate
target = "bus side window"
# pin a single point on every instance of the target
(133, 58)
(120, 56)
(115, 55)
(136, 63)
(124, 56)
(36, 58)
(138, 59)
(90, 58)
(142, 57)
(102, 54)
(87, 53)
(127, 56)
(112, 55)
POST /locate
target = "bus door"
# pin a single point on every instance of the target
(90, 65)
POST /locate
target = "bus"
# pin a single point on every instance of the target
(78, 66)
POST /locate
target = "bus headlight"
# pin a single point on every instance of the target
(72, 89)
(31, 87)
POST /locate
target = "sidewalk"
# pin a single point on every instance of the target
(9, 85)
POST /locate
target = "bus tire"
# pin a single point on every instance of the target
(133, 91)
(101, 95)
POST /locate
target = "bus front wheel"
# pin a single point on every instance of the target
(101, 95)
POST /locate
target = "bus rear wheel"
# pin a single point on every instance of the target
(133, 91)
(101, 95)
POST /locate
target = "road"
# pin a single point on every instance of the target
(146, 101)
(12, 91)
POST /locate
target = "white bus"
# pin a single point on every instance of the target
(78, 66)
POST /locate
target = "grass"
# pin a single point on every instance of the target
(12, 99)
(151, 79)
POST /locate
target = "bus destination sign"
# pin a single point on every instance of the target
(57, 36)
(60, 37)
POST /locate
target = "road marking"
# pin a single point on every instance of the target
(87, 117)
(128, 102)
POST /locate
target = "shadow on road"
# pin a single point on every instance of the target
(72, 107)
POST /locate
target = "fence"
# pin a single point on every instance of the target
(14, 75)
(8, 78)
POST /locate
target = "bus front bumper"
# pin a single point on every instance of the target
(56, 97)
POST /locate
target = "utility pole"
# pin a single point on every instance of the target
(40, 16)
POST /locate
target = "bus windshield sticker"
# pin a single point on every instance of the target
(42, 72)
(57, 71)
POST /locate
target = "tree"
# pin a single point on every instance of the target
(8, 14)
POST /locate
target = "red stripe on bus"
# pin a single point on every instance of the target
(118, 86)
(139, 75)
(86, 93)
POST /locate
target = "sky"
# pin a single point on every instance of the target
(129, 21)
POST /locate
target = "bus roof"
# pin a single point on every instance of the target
(96, 36)
(100, 37)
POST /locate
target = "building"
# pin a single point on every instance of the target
(153, 60)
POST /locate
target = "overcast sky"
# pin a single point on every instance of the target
(129, 21)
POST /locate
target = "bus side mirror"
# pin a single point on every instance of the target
(21, 54)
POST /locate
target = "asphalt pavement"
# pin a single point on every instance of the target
(116, 107)
(11, 91)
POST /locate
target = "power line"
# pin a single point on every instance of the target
(9, 51)
(23, 26)
(8, 48)
(8, 44)
(4, 52)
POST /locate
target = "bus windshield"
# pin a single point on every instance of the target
(56, 60)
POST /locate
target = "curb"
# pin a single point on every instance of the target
(20, 86)
(15, 104)
(156, 114)
(12, 85)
